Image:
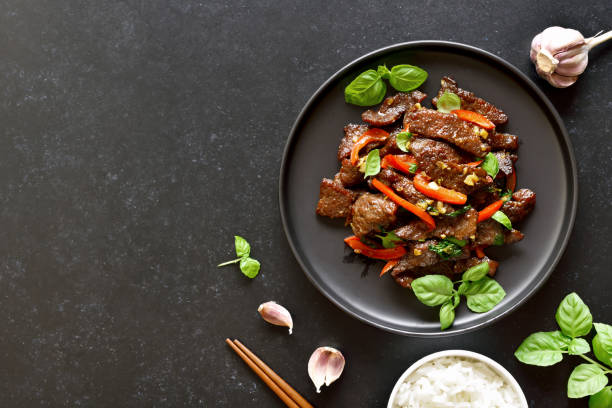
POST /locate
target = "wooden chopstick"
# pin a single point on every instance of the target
(269, 377)
(275, 377)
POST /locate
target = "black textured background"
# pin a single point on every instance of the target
(139, 136)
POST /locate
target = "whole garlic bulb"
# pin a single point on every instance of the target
(561, 54)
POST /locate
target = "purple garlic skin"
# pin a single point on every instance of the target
(561, 54)
(325, 366)
(276, 314)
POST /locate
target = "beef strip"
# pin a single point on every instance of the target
(371, 212)
(334, 200)
(349, 175)
(503, 141)
(464, 264)
(405, 278)
(446, 126)
(392, 108)
(487, 231)
(459, 177)
(471, 102)
(428, 150)
(480, 199)
(352, 133)
(461, 227)
(520, 205)
(424, 258)
(506, 161)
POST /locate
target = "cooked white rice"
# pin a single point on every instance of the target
(455, 382)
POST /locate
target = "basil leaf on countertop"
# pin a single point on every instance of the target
(366, 90)
(490, 165)
(448, 102)
(372, 163)
(542, 348)
(402, 140)
(406, 78)
(502, 219)
(249, 267)
(433, 290)
(242, 246)
(483, 295)
(574, 317)
(586, 379)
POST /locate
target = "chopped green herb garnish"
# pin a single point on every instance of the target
(413, 168)
(456, 241)
(402, 140)
(499, 240)
(460, 211)
(389, 239)
(446, 249)
(502, 219)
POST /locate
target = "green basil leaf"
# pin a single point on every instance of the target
(578, 346)
(447, 315)
(405, 78)
(499, 240)
(402, 140)
(477, 272)
(574, 317)
(457, 241)
(463, 288)
(383, 71)
(456, 299)
(412, 168)
(433, 290)
(448, 102)
(389, 239)
(502, 219)
(372, 163)
(603, 399)
(242, 246)
(250, 267)
(541, 349)
(460, 211)
(602, 343)
(586, 379)
(366, 90)
(490, 165)
(483, 295)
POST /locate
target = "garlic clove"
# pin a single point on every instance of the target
(325, 366)
(276, 314)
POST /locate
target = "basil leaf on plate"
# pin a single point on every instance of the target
(389, 239)
(447, 315)
(433, 290)
(502, 219)
(499, 240)
(406, 77)
(249, 267)
(242, 246)
(586, 379)
(402, 140)
(366, 90)
(578, 346)
(383, 71)
(476, 272)
(483, 295)
(490, 165)
(574, 317)
(448, 102)
(542, 348)
(603, 399)
(372, 164)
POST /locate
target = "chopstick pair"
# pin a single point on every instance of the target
(284, 391)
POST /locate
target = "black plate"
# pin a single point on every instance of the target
(546, 165)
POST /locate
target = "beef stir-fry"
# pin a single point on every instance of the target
(427, 191)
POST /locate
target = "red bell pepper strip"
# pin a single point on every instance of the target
(474, 164)
(511, 180)
(475, 118)
(489, 210)
(384, 253)
(419, 212)
(479, 251)
(371, 135)
(422, 184)
(401, 162)
(388, 266)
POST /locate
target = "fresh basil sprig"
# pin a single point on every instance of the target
(547, 348)
(372, 163)
(368, 88)
(482, 293)
(249, 266)
(448, 102)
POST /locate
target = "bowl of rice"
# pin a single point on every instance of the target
(456, 379)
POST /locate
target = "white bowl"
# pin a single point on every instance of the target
(460, 353)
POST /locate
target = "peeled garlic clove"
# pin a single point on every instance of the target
(325, 366)
(274, 313)
(561, 54)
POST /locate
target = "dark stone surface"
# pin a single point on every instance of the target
(139, 137)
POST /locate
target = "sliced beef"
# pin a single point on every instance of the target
(506, 161)
(446, 126)
(480, 199)
(334, 200)
(459, 177)
(349, 175)
(503, 141)
(371, 212)
(352, 133)
(489, 229)
(520, 205)
(461, 227)
(471, 102)
(392, 108)
(405, 278)
(428, 150)
(405, 189)
(419, 256)
(465, 264)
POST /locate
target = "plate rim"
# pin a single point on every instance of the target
(571, 182)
